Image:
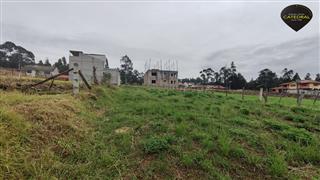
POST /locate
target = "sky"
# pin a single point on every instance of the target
(191, 34)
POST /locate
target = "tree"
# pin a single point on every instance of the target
(287, 75)
(40, 63)
(233, 68)
(318, 77)
(191, 80)
(127, 74)
(126, 68)
(206, 75)
(252, 84)
(296, 77)
(308, 77)
(13, 56)
(137, 77)
(225, 74)
(237, 81)
(61, 64)
(217, 78)
(267, 79)
(47, 63)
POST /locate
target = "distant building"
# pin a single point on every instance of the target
(88, 62)
(113, 74)
(161, 78)
(40, 70)
(304, 86)
(186, 84)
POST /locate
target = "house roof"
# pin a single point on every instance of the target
(309, 81)
(301, 82)
(77, 53)
(46, 69)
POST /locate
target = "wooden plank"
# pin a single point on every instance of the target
(48, 79)
(51, 84)
(84, 80)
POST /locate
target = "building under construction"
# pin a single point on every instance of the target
(93, 65)
(161, 78)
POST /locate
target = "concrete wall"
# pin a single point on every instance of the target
(114, 76)
(162, 78)
(86, 63)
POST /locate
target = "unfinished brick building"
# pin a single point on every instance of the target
(161, 78)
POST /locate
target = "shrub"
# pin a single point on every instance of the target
(155, 145)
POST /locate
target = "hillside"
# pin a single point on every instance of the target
(145, 133)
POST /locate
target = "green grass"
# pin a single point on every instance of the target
(149, 133)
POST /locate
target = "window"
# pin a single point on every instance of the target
(164, 80)
(153, 81)
(171, 82)
(153, 73)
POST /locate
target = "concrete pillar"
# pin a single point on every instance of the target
(75, 79)
(261, 94)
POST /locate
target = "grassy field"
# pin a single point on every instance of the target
(146, 133)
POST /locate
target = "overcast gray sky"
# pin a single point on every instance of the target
(196, 34)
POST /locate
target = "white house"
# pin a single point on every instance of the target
(40, 70)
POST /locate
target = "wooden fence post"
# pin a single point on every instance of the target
(300, 97)
(316, 98)
(242, 95)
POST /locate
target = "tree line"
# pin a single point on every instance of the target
(230, 78)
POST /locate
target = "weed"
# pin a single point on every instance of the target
(298, 135)
(224, 142)
(277, 165)
(187, 160)
(155, 145)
